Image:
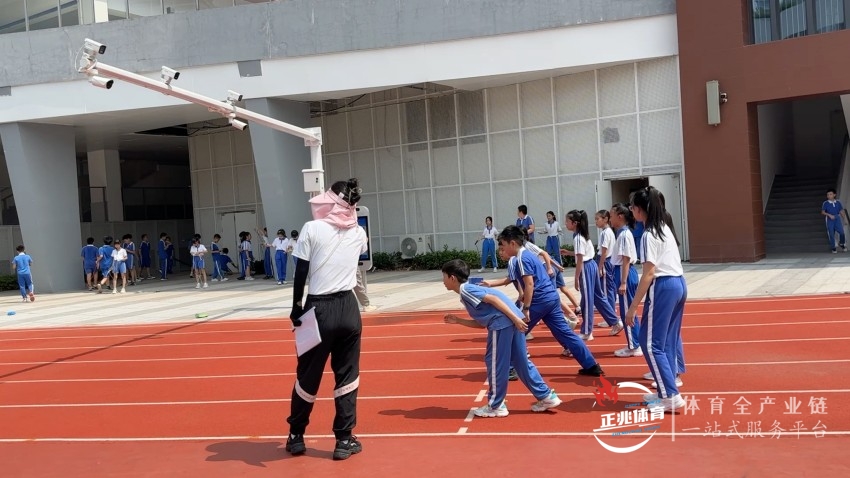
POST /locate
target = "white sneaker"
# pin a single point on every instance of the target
(198, 285)
(487, 412)
(528, 337)
(123, 290)
(249, 278)
(616, 329)
(370, 308)
(648, 376)
(673, 403)
(496, 269)
(627, 352)
(679, 383)
(279, 282)
(224, 279)
(651, 398)
(567, 353)
(586, 337)
(480, 270)
(551, 401)
(602, 325)
(114, 291)
(206, 285)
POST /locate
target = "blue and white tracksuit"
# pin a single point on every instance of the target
(624, 247)
(834, 226)
(590, 287)
(488, 247)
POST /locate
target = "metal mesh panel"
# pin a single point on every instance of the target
(444, 157)
(658, 84)
(504, 149)
(221, 154)
(206, 188)
(542, 196)
(538, 146)
(413, 118)
(578, 147)
(363, 168)
(392, 223)
(476, 205)
(661, 138)
(420, 213)
(224, 192)
(389, 169)
(502, 108)
(508, 196)
(575, 97)
(617, 90)
(470, 110)
(243, 152)
(441, 115)
(246, 180)
(536, 97)
(386, 125)
(335, 133)
(474, 159)
(447, 214)
(452, 241)
(360, 129)
(578, 192)
(417, 170)
(337, 166)
(619, 142)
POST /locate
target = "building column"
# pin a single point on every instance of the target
(107, 203)
(42, 165)
(279, 158)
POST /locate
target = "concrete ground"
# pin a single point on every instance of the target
(177, 300)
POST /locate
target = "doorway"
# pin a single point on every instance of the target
(232, 224)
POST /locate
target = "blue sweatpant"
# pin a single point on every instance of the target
(661, 331)
(267, 262)
(553, 248)
(506, 349)
(590, 287)
(25, 284)
(553, 316)
(609, 286)
(280, 265)
(834, 226)
(488, 251)
(625, 302)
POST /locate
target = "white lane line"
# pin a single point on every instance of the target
(480, 396)
(470, 415)
(462, 430)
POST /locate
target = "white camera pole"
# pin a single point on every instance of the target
(97, 71)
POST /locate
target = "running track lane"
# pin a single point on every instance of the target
(726, 362)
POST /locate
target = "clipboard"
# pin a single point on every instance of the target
(307, 335)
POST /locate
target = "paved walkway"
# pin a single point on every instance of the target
(177, 300)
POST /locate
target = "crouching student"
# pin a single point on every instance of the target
(491, 309)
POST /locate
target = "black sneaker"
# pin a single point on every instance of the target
(594, 371)
(346, 448)
(295, 444)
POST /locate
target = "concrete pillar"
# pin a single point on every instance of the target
(42, 165)
(107, 204)
(279, 159)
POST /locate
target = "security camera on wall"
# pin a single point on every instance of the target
(101, 82)
(169, 74)
(93, 47)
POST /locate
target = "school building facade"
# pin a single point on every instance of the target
(447, 112)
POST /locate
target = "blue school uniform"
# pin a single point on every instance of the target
(216, 259)
(625, 247)
(488, 247)
(105, 254)
(526, 222)
(131, 257)
(163, 259)
(834, 226)
(22, 267)
(609, 290)
(506, 345)
(89, 255)
(145, 254)
(590, 287)
(546, 305)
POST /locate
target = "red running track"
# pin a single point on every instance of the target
(768, 384)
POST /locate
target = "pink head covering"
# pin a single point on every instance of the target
(333, 209)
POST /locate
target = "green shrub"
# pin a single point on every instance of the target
(9, 282)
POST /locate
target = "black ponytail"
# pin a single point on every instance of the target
(350, 190)
(668, 219)
(622, 209)
(650, 200)
(580, 218)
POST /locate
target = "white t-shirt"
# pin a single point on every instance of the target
(280, 244)
(606, 240)
(664, 253)
(119, 255)
(584, 247)
(333, 254)
(553, 229)
(198, 250)
(246, 246)
(491, 234)
(624, 246)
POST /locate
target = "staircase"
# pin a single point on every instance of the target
(792, 220)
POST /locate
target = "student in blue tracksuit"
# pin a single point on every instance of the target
(623, 256)
(832, 210)
(663, 285)
(280, 245)
(104, 262)
(526, 221)
(587, 280)
(162, 255)
(506, 349)
(540, 300)
(89, 255)
(553, 237)
(21, 268)
(606, 269)
(488, 247)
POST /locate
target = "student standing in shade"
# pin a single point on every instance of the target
(21, 268)
(623, 256)
(587, 280)
(215, 252)
(488, 246)
(663, 285)
(267, 253)
(104, 262)
(526, 221)
(553, 237)
(130, 247)
(162, 256)
(145, 258)
(89, 255)
(832, 209)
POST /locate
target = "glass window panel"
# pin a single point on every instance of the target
(829, 15)
(145, 8)
(12, 16)
(69, 12)
(117, 9)
(86, 11)
(762, 31)
(792, 18)
(174, 6)
(205, 4)
(43, 14)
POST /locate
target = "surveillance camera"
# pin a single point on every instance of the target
(238, 124)
(92, 46)
(101, 82)
(233, 96)
(169, 74)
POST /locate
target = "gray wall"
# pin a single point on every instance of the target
(294, 28)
